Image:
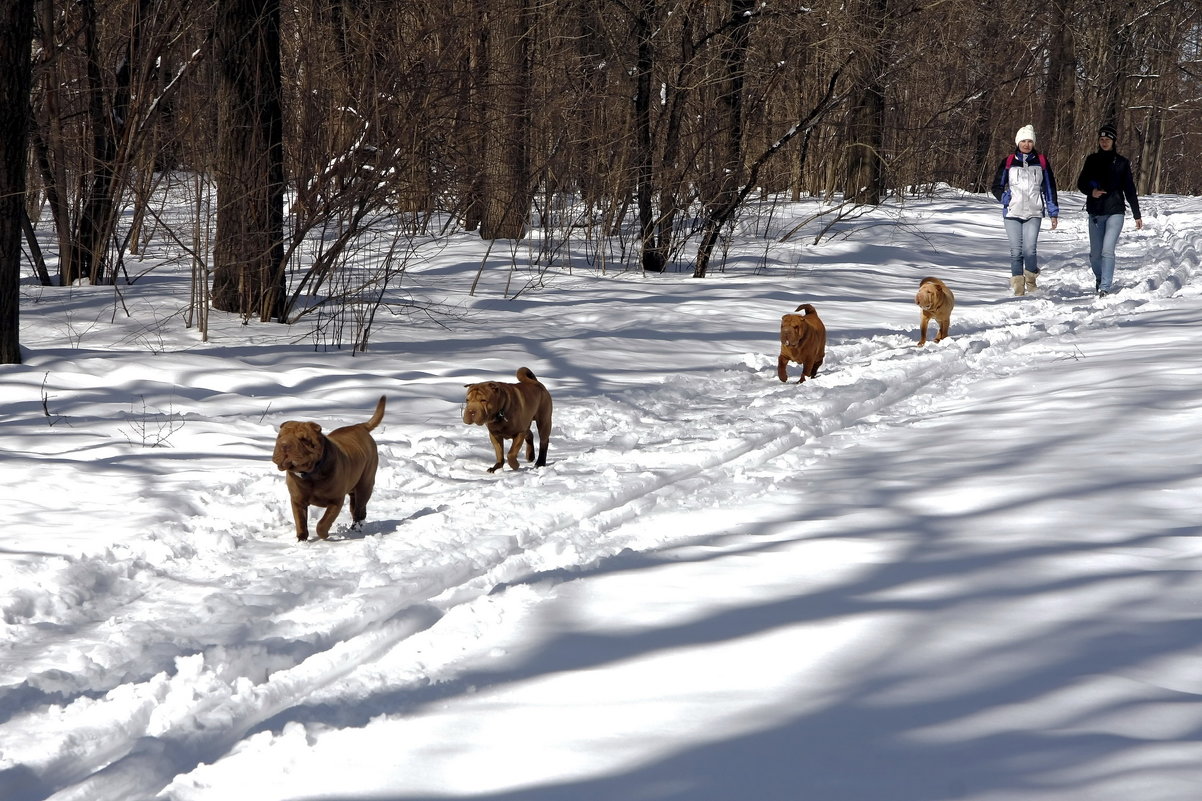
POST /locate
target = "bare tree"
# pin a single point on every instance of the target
(802, 127)
(16, 34)
(1060, 96)
(644, 21)
(637, 127)
(1167, 32)
(864, 176)
(101, 87)
(248, 253)
(729, 163)
(505, 168)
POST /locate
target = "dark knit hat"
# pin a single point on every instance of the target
(1108, 131)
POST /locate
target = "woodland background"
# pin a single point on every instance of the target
(304, 138)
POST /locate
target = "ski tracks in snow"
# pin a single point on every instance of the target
(221, 623)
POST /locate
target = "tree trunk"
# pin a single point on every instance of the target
(507, 185)
(467, 115)
(982, 82)
(90, 243)
(864, 175)
(863, 179)
(1168, 42)
(16, 34)
(653, 259)
(1059, 113)
(730, 163)
(50, 143)
(1147, 176)
(248, 254)
(1119, 49)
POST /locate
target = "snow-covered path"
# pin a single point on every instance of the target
(968, 571)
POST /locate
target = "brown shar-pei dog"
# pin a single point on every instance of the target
(508, 410)
(324, 469)
(936, 302)
(802, 340)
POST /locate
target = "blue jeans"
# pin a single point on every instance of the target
(1104, 232)
(1023, 236)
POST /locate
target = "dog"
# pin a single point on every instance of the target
(802, 340)
(323, 470)
(936, 301)
(507, 410)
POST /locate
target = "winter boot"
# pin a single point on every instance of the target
(1029, 277)
(1017, 284)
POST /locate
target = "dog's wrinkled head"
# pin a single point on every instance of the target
(298, 447)
(932, 294)
(483, 403)
(793, 330)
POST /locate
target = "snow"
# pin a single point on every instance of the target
(971, 571)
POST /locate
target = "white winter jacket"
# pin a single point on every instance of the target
(1025, 188)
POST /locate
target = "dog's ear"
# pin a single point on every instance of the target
(312, 432)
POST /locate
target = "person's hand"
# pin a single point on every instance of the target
(1098, 192)
(1055, 221)
(1139, 224)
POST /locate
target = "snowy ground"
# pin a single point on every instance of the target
(968, 572)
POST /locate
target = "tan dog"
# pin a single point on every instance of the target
(508, 410)
(323, 470)
(802, 340)
(936, 302)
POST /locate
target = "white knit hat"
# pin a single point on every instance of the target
(1025, 132)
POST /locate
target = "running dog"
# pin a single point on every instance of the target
(507, 410)
(323, 470)
(936, 302)
(802, 340)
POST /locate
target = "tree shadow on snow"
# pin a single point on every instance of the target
(872, 736)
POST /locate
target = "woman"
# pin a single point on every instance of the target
(1105, 180)
(1026, 188)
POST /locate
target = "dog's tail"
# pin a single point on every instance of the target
(807, 308)
(377, 417)
(527, 375)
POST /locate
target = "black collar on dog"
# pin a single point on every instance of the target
(321, 461)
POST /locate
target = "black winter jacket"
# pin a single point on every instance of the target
(1108, 171)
